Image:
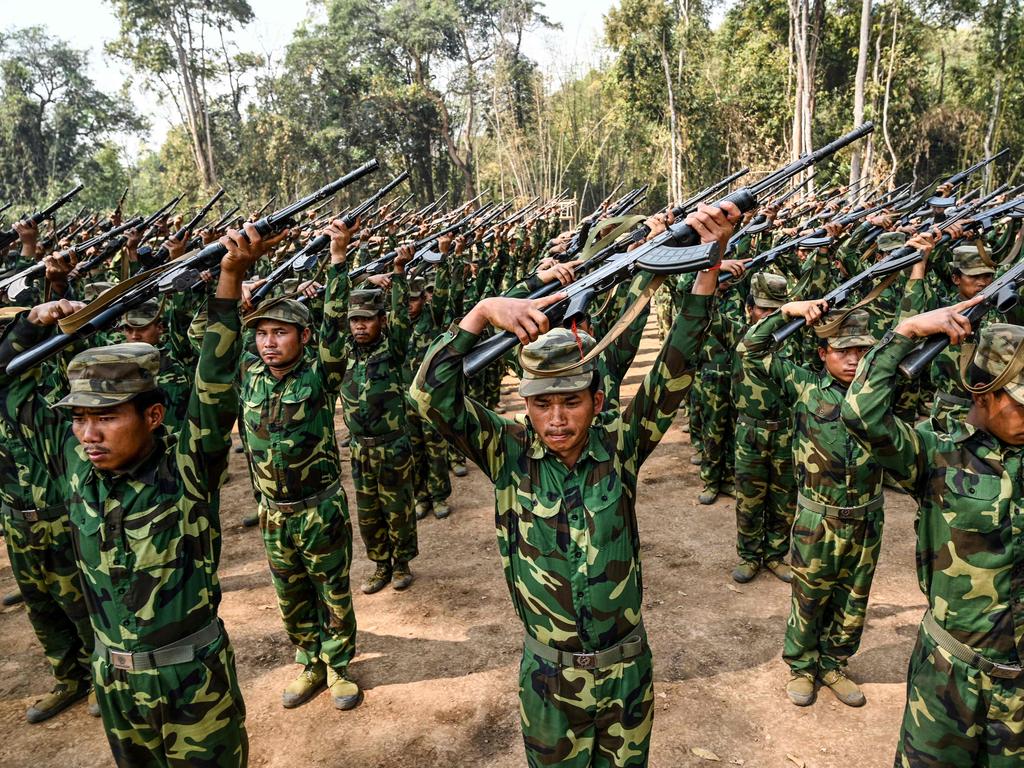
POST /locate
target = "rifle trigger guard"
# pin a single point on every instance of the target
(665, 260)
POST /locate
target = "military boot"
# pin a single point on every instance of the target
(782, 571)
(844, 688)
(250, 521)
(459, 469)
(344, 692)
(800, 689)
(94, 706)
(309, 683)
(60, 698)
(441, 510)
(423, 509)
(346, 441)
(378, 580)
(744, 572)
(696, 459)
(728, 489)
(13, 598)
(708, 495)
(403, 576)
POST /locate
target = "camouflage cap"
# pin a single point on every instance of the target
(967, 259)
(417, 286)
(554, 350)
(853, 331)
(145, 314)
(92, 290)
(106, 376)
(890, 241)
(286, 310)
(365, 303)
(999, 345)
(768, 290)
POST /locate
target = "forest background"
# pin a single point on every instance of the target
(685, 92)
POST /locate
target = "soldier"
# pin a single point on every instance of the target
(288, 395)
(373, 399)
(837, 529)
(565, 490)
(765, 487)
(965, 695)
(144, 324)
(144, 510)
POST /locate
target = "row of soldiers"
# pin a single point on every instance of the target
(143, 510)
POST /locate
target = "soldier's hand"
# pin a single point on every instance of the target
(309, 289)
(248, 288)
(444, 244)
(244, 248)
(52, 311)
(340, 236)
(207, 235)
(523, 317)
(882, 220)
(563, 273)
(943, 190)
(58, 267)
(380, 281)
(403, 256)
(28, 233)
(812, 311)
(735, 267)
(714, 223)
(947, 320)
(657, 223)
(834, 229)
(175, 248)
(460, 245)
(955, 231)
(924, 242)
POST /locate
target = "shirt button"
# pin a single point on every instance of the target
(604, 498)
(579, 595)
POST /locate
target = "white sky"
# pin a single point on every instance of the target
(88, 24)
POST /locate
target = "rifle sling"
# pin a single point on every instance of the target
(620, 225)
(609, 338)
(1015, 251)
(826, 329)
(1008, 374)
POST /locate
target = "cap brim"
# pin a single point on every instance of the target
(139, 322)
(361, 313)
(768, 303)
(848, 342)
(555, 385)
(93, 400)
(975, 271)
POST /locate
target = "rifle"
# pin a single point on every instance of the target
(150, 225)
(510, 220)
(959, 178)
(105, 311)
(896, 261)
(432, 257)
(675, 251)
(109, 249)
(16, 283)
(266, 205)
(11, 236)
(223, 220)
(306, 256)
(185, 232)
(120, 202)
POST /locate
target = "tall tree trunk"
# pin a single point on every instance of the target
(888, 94)
(673, 176)
(858, 90)
(993, 122)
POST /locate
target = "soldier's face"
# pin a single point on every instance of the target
(366, 330)
(117, 437)
(999, 415)
(562, 420)
(148, 334)
(416, 306)
(280, 344)
(842, 363)
(971, 285)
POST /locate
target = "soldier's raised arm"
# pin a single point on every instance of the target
(331, 341)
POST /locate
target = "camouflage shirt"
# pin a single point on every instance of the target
(830, 466)
(147, 539)
(567, 537)
(289, 422)
(970, 521)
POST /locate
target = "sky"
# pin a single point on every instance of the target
(88, 24)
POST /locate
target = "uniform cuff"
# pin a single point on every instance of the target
(460, 340)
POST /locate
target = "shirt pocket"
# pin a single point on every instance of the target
(543, 530)
(296, 402)
(609, 525)
(153, 537)
(252, 411)
(972, 502)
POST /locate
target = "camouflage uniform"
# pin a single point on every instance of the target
(765, 487)
(147, 543)
(960, 709)
(374, 405)
(568, 541)
(295, 468)
(837, 531)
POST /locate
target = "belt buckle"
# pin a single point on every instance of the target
(122, 660)
(30, 515)
(845, 512)
(583, 660)
(1005, 671)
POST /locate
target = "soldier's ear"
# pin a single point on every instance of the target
(306, 335)
(598, 401)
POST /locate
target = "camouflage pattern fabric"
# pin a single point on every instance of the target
(310, 553)
(147, 544)
(430, 460)
(833, 560)
(765, 491)
(568, 538)
(717, 423)
(968, 487)
(176, 384)
(383, 477)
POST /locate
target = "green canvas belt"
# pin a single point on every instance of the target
(965, 653)
(629, 648)
(375, 440)
(34, 515)
(178, 652)
(949, 399)
(768, 425)
(307, 503)
(843, 513)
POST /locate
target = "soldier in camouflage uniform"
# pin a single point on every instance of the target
(837, 531)
(565, 491)
(289, 390)
(765, 487)
(965, 684)
(144, 324)
(373, 399)
(144, 510)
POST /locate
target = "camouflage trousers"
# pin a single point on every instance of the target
(765, 492)
(693, 406)
(957, 715)
(664, 312)
(576, 718)
(310, 553)
(383, 477)
(833, 565)
(187, 715)
(430, 460)
(717, 422)
(44, 567)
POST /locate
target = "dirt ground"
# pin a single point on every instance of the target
(439, 662)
